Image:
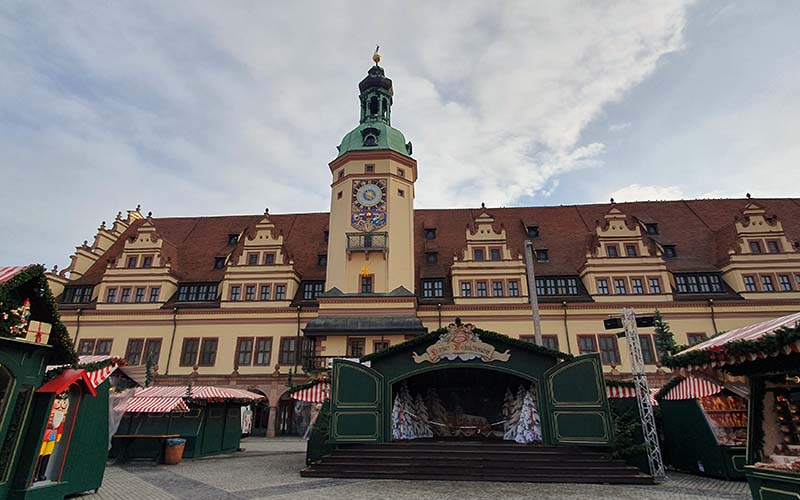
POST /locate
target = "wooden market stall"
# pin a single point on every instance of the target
(767, 357)
(50, 444)
(705, 428)
(208, 418)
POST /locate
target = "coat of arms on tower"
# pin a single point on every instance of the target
(369, 204)
(460, 342)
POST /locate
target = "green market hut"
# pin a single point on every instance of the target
(762, 363)
(49, 444)
(462, 403)
(208, 418)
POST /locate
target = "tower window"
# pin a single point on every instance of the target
(651, 229)
(370, 169)
(370, 140)
(401, 172)
(373, 106)
(533, 231)
(341, 173)
(430, 234)
(401, 193)
(339, 195)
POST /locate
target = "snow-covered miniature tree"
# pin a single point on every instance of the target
(402, 421)
(524, 433)
(516, 411)
(422, 422)
(508, 408)
(537, 422)
(437, 414)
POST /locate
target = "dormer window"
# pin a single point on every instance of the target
(132, 262)
(370, 140)
(533, 231)
(322, 260)
(147, 261)
(219, 262)
(651, 228)
(252, 259)
(630, 250)
(233, 239)
(430, 234)
(431, 257)
(269, 259)
(542, 255)
(773, 247)
(670, 252)
(477, 254)
(325, 236)
(612, 251)
(755, 246)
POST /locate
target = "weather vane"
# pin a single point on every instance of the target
(376, 56)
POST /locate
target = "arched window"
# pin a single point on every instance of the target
(373, 106)
(384, 108)
(370, 140)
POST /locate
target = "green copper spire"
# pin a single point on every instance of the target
(375, 130)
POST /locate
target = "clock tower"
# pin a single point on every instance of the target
(371, 227)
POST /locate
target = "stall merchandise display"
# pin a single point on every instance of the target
(727, 416)
(784, 427)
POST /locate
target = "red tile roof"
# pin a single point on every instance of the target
(698, 228)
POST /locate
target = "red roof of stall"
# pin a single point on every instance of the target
(65, 379)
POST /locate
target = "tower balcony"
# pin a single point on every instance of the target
(367, 242)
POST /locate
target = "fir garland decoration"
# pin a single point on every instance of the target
(88, 367)
(31, 283)
(485, 335)
(308, 385)
(766, 345)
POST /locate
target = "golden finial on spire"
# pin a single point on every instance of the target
(376, 56)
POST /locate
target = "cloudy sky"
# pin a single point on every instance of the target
(194, 108)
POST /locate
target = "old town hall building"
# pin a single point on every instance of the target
(259, 301)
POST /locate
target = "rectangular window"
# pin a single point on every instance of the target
(630, 250)
(533, 231)
(208, 352)
(355, 347)
(312, 290)
(750, 284)
(197, 292)
(466, 289)
(619, 287)
(655, 285)
(637, 287)
(602, 287)
(513, 288)
(542, 255)
(773, 247)
(111, 295)
(266, 292)
(132, 261)
(766, 284)
(269, 259)
(430, 234)
(152, 351)
(280, 292)
(126, 295)
(587, 344)
(139, 295)
(480, 288)
(612, 250)
(432, 288)
(244, 351)
(494, 254)
(366, 284)
(154, 293)
(263, 351)
(252, 259)
(696, 338)
(550, 341)
(609, 349)
(219, 262)
(250, 292)
(755, 246)
(133, 353)
(236, 292)
(651, 228)
(785, 282)
(77, 294)
(497, 288)
(477, 254)
(147, 261)
(379, 345)
(189, 351)
(86, 347)
(103, 347)
(432, 257)
(648, 354)
(322, 260)
(670, 251)
(288, 351)
(369, 169)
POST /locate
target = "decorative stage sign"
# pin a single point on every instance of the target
(460, 342)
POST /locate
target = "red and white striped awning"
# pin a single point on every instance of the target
(198, 392)
(315, 394)
(8, 272)
(156, 405)
(95, 377)
(693, 388)
(616, 392)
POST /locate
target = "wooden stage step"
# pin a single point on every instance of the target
(475, 461)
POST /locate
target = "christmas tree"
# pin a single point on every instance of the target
(525, 432)
(516, 411)
(422, 422)
(508, 409)
(402, 421)
(437, 415)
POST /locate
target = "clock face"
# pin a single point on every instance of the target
(369, 195)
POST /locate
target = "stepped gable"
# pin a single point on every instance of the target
(698, 229)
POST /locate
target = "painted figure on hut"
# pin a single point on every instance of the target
(52, 434)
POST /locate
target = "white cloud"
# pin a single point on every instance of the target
(635, 192)
(232, 107)
(616, 127)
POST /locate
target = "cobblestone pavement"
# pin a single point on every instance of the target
(268, 469)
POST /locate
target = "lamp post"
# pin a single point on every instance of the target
(537, 324)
